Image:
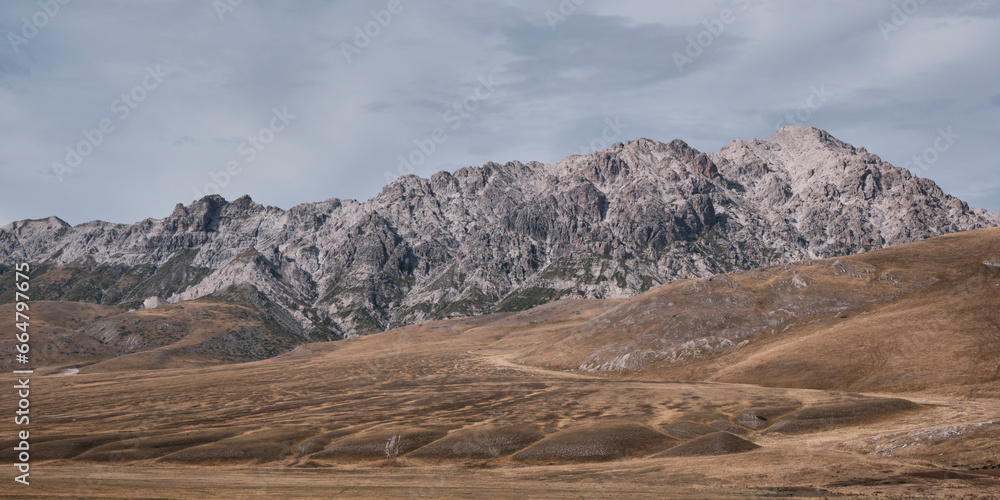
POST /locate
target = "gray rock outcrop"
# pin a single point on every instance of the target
(504, 237)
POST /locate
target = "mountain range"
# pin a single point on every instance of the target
(495, 238)
(737, 350)
(868, 376)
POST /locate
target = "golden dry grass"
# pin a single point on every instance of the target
(716, 443)
(482, 407)
(96, 337)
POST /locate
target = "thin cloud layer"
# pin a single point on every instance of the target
(117, 110)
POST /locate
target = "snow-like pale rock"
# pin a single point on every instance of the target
(607, 224)
(152, 303)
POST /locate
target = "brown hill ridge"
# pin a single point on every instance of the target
(511, 404)
(886, 320)
(497, 238)
(921, 316)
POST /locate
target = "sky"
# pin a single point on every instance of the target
(118, 110)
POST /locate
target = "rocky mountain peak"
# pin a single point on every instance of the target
(50, 224)
(801, 137)
(694, 160)
(505, 237)
(180, 211)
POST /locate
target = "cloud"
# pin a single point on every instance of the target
(185, 140)
(376, 106)
(555, 89)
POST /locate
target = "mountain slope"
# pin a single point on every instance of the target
(235, 325)
(881, 373)
(923, 316)
(613, 223)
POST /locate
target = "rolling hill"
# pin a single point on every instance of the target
(611, 224)
(873, 375)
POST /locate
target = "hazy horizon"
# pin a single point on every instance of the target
(335, 93)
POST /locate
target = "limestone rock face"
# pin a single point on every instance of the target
(504, 237)
(153, 303)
